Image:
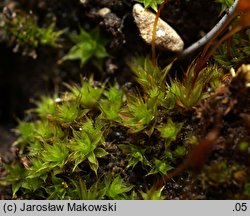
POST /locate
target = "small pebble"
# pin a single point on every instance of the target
(166, 37)
(83, 1)
(104, 11)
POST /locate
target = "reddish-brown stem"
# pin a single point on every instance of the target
(154, 31)
(201, 60)
(236, 29)
(206, 54)
(229, 48)
(196, 158)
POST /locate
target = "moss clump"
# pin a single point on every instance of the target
(110, 142)
(22, 32)
(87, 46)
(70, 140)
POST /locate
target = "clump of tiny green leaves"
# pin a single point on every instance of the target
(237, 52)
(88, 45)
(188, 93)
(224, 4)
(65, 139)
(141, 110)
(66, 151)
(25, 33)
(151, 3)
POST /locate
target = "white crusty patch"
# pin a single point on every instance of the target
(160, 33)
(166, 37)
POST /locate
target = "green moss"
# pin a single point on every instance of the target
(230, 56)
(138, 114)
(64, 136)
(70, 151)
(46, 106)
(243, 146)
(170, 131)
(111, 104)
(247, 190)
(95, 192)
(161, 167)
(16, 176)
(85, 145)
(87, 94)
(117, 188)
(189, 92)
(134, 155)
(153, 194)
(25, 33)
(224, 4)
(87, 45)
(151, 3)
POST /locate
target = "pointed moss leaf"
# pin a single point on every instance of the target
(40, 172)
(78, 160)
(117, 188)
(224, 4)
(153, 194)
(151, 3)
(148, 75)
(84, 145)
(38, 169)
(49, 36)
(56, 154)
(95, 192)
(16, 175)
(180, 151)
(170, 130)
(100, 51)
(110, 106)
(92, 159)
(16, 187)
(68, 112)
(160, 167)
(169, 155)
(87, 93)
(93, 162)
(186, 93)
(138, 114)
(26, 131)
(134, 155)
(46, 106)
(80, 51)
(58, 189)
(81, 149)
(35, 148)
(32, 184)
(100, 152)
(45, 131)
(93, 131)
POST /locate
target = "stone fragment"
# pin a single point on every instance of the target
(83, 1)
(166, 37)
(104, 11)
